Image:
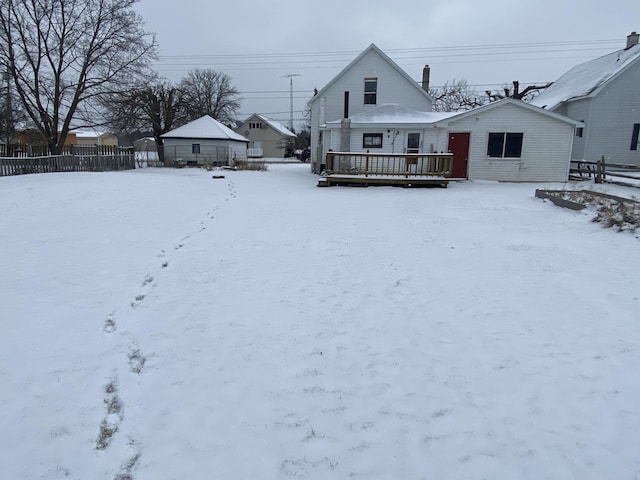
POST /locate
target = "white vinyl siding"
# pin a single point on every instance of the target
(609, 117)
(209, 151)
(546, 145)
(392, 87)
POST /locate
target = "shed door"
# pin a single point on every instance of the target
(459, 146)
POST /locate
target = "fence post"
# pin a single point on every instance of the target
(600, 170)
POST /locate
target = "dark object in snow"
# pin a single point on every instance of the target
(218, 176)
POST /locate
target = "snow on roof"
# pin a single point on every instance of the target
(454, 116)
(276, 126)
(88, 133)
(205, 128)
(391, 113)
(586, 78)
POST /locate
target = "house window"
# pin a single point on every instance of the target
(370, 91)
(195, 148)
(505, 145)
(255, 125)
(579, 132)
(635, 137)
(372, 140)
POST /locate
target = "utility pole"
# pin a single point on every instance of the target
(290, 77)
(292, 143)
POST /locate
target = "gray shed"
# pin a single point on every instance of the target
(204, 141)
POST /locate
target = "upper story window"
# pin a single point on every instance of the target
(505, 145)
(635, 137)
(257, 125)
(370, 91)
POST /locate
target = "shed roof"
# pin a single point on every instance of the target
(587, 78)
(205, 128)
(517, 103)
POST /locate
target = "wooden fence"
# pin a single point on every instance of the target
(603, 172)
(85, 159)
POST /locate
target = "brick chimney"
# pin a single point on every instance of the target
(426, 72)
(632, 39)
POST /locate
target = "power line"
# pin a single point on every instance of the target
(397, 50)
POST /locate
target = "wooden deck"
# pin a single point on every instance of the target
(371, 181)
(403, 170)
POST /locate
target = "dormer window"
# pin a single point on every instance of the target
(370, 91)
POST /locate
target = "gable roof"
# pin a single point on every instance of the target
(391, 113)
(370, 48)
(587, 78)
(510, 101)
(281, 129)
(205, 128)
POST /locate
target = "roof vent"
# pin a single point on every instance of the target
(632, 39)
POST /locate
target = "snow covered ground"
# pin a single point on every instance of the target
(162, 324)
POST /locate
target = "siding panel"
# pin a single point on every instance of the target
(545, 152)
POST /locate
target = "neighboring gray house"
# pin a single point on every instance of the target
(370, 80)
(508, 140)
(204, 141)
(604, 94)
(267, 138)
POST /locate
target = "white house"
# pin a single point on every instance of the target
(508, 140)
(204, 141)
(604, 94)
(370, 80)
(267, 138)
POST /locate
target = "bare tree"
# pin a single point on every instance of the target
(63, 55)
(156, 107)
(207, 92)
(455, 97)
(303, 136)
(530, 92)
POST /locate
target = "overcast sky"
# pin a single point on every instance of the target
(487, 42)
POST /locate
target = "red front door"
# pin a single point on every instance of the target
(459, 146)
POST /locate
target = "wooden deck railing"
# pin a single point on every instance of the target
(387, 164)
